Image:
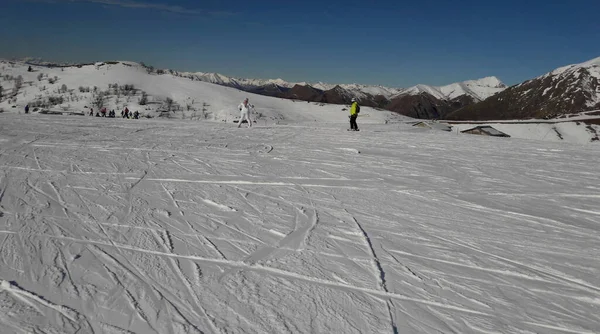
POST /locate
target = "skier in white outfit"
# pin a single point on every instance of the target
(245, 108)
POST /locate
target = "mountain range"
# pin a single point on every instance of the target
(420, 101)
(565, 90)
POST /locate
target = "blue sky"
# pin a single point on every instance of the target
(392, 43)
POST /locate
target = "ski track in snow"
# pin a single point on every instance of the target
(206, 228)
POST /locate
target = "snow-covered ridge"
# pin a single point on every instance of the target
(593, 63)
(479, 89)
(580, 77)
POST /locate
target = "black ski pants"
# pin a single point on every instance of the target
(353, 125)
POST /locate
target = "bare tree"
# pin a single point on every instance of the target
(169, 103)
(205, 114)
(18, 85)
(99, 100)
(63, 88)
(144, 99)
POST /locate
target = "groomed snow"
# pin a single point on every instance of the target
(155, 226)
(572, 132)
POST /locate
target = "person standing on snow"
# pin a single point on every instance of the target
(244, 108)
(354, 110)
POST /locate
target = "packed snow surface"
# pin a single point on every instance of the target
(156, 226)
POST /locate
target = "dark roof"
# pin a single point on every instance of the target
(488, 130)
(435, 125)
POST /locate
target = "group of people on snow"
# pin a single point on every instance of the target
(104, 113)
(246, 108)
(111, 114)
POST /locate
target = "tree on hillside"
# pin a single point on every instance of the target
(63, 88)
(144, 99)
(99, 100)
(40, 76)
(18, 85)
(169, 103)
(205, 112)
(1, 93)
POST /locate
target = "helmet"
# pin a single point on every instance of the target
(353, 99)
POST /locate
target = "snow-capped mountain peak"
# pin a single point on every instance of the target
(479, 89)
(570, 68)
(566, 90)
(491, 81)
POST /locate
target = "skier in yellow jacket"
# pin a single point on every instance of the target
(354, 110)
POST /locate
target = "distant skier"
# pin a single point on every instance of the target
(244, 108)
(354, 110)
(27, 109)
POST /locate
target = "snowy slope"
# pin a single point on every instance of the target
(573, 132)
(156, 226)
(588, 71)
(592, 63)
(221, 102)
